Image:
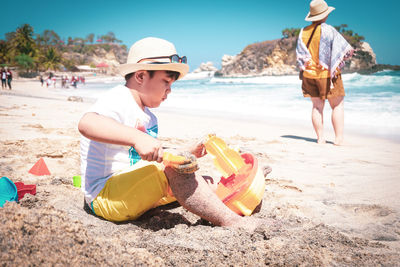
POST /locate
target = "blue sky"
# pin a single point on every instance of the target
(204, 30)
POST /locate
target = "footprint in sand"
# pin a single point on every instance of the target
(373, 210)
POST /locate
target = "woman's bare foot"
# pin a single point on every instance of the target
(321, 141)
(338, 142)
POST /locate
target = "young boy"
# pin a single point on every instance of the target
(120, 155)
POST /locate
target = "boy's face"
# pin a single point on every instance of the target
(156, 88)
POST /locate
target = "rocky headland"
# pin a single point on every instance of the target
(278, 57)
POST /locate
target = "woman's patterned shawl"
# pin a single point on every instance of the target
(333, 50)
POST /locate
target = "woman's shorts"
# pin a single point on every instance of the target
(130, 193)
(321, 87)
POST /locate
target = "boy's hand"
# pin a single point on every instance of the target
(149, 148)
(198, 149)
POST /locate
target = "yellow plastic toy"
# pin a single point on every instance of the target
(242, 186)
(227, 160)
(182, 163)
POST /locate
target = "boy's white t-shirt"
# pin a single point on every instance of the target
(100, 160)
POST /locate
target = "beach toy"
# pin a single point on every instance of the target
(227, 160)
(182, 163)
(23, 189)
(39, 168)
(242, 186)
(8, 191)
(76, 180)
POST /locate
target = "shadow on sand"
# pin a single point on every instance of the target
(313, 140)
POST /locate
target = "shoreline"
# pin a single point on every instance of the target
(386, 133)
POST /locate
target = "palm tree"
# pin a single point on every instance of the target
(23, 42)
(51, 59)
(110, 38)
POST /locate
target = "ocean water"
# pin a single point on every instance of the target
(372, 102)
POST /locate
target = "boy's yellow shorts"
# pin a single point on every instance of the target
(130, 193)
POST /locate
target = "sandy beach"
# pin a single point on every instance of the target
(335, 205)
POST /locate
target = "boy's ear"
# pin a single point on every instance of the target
(139, 76)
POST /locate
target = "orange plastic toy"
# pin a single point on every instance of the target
(242, 186)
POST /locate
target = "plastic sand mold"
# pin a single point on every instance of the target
(23, 189)
(227, 160)
(242, 186)
(40, 168)
(76, 181)
(8, 191)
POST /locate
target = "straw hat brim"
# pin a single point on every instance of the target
(183, 69)
(309, 17)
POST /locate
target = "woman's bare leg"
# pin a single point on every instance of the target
(337, 105)
(317, 117)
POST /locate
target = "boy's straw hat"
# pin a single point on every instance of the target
(319, 9)
(152, 47)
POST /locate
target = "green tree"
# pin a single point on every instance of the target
(70, 41)
(291, 32)
(4, 52)
(9, 36)
(47, 38)
(110, 38)
(23, 42)
(25, 62)
(90, 38)
(52, 59)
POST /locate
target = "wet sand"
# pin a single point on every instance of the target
(335, 205)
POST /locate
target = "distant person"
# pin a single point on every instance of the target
(62, 81)
(41, 80)
(74, 81)
(48, 81)
(120, 153)
(9, 78)
(321, 52)
(54, 81)
(66, 80)
(3, 78)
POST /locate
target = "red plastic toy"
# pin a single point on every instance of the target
(22, 189)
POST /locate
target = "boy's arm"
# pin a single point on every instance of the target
(106, 130)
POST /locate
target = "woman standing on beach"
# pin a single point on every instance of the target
(321, 52)
(3, 75)
(9, 78)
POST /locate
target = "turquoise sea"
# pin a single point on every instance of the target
(372, 102)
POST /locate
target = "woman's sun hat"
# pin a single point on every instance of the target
(153, 54)
(319, 9)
